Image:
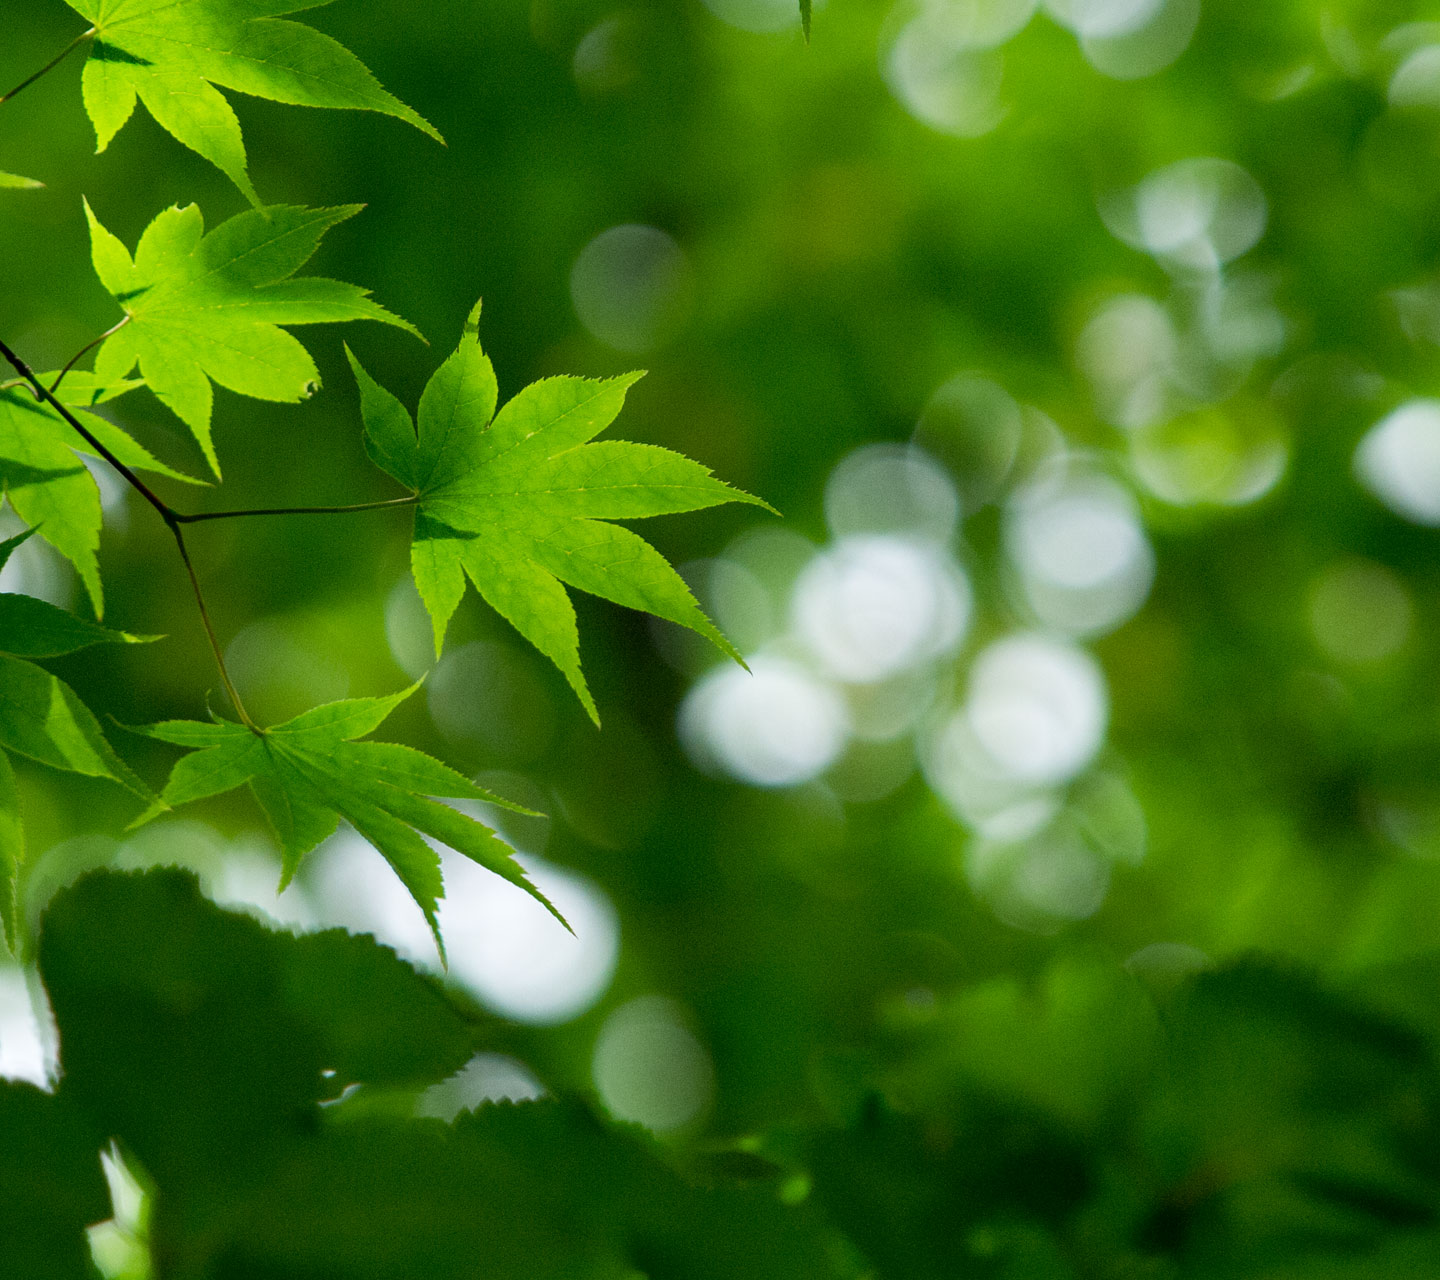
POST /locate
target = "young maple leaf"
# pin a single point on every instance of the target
(203, 307)
(47, 485)
(42, 718)
(519, 504)
(308, 773)
(14, 182)
(171, 53)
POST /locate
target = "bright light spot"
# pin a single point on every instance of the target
(503, 946)
(756, 15)
(1231, 454)
(1084, 560)
(245, 878)
(1102, 17)
(1399, 461)
(491, 694)
(1128, 350)
(989, 800)
(23, 1053)
(1199, 213)
(941, 78)
(1416, 82)
(974, 426)
(1037, 707)
(650, 1069)
(871, 607)
(487, 1077)
(774, 726)
(1359, 612)
(973, 24)
(1148, 48)
(886, 488)
(633, 287)
(514, 955)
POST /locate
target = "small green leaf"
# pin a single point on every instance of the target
(42, 718)
(310, 772)
(14, 182)
(171, 53)
(31, 628)
(206, 308)
(517, 504)
(49, 487)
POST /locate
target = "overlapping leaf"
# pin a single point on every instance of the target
(47, 485)
(309, 773)
(42, 718)
(208, 307)
(172, 53)
(520, 504)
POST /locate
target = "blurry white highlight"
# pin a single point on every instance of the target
(487, 1077)
(1399, 461)
(1198, 213)
(503, 946)
(941, 77)
(774, 726)
(23, 1054)
(1084, 561)
(870, 607)
(1038, 708)
(886, 488)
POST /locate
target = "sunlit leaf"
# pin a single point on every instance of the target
(309, 773)
(209, 307)
(172, 53)
(518, 501)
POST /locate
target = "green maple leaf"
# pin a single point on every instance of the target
(308, 773)
(208, 307)
(47, 485)
(14, 182)
(519, 504)
(172, 53)
(41, 716)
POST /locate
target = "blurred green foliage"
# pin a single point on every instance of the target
(1215, 1057)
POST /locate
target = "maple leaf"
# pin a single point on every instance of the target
(41, 716)
(47, 485)
(14, 182)
(203, 307)
(308, 773)
(519, 504)
(172, 53)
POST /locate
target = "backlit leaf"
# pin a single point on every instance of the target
(518, 501)
(206, 308)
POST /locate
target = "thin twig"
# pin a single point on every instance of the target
(89, 346)
(167, 513)
(210, 633)
(408, 501)
(52, 64)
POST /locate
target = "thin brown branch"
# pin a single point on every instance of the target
(51, 65)
(409, 500)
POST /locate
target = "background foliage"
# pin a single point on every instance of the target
(1146, 987)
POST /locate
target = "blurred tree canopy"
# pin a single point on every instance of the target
(1056, 894)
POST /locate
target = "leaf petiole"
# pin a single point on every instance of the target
(51, 65)
(409, 500)
(89, 346)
